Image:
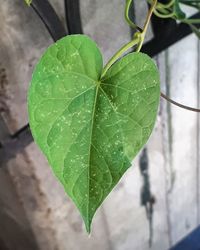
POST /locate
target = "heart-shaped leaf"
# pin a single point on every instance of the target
(90, 128)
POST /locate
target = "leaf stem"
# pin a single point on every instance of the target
(119, 53)
(158, 14)
(163, 11)
(146, 24)
(189, 21)
(138, 37)
(127, 18)
(167, 5)
(161, 5)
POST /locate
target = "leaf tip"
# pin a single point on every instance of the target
(88, 226)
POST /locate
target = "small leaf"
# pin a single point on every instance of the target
(28, 2)
(177, 11)
(90, 128)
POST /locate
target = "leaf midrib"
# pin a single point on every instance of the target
(91, 136)
(90, 145)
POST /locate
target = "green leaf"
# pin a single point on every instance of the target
(28, 2)
(90, 128)
(191, 3)
(177, 10)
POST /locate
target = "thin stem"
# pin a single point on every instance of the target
(158, 14)
(119, 53)
(191, 21)
(167, 5)
(146, 24)
(161, 5)
(179, 104)
(163, 11)
(126, 14)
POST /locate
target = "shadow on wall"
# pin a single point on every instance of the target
(2, 245)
